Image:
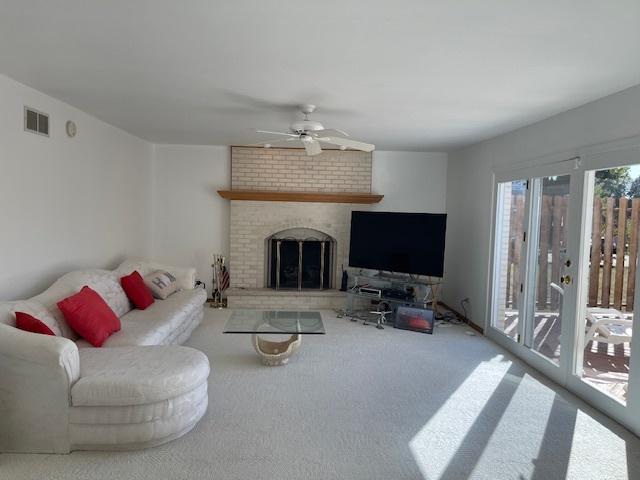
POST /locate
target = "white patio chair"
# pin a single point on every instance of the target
(608, 325)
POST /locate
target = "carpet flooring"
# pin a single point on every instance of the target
(360, 403)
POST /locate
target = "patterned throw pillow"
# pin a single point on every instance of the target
(161, 283)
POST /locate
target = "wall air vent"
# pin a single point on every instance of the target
(36, 122)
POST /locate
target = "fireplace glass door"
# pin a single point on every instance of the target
(300, 264)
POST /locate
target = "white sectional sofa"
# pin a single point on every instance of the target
(139, 389)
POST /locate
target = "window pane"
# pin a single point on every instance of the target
(509, 256)
(551, 220)
(612, 271)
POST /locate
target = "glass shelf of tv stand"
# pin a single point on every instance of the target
(428, 298)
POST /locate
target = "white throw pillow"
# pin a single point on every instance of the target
(185, 277)
(38, 311)
(161, 283)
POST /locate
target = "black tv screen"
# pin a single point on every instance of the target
(398, 242)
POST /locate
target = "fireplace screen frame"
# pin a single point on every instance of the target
(327, 246)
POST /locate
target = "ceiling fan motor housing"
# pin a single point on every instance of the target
(306, 126)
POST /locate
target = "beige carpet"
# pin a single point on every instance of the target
(359, 403)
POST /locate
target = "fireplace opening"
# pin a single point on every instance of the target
(300, 263)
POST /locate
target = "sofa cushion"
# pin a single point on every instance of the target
(26, 322)
(139, 294)
(137, 375)
(39, 312)
(104, 282)
(157, 323)
(90, 316)
(161, 283)
(50, 298)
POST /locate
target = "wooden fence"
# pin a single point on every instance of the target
(614, 251)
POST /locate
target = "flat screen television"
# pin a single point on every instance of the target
(398, 242)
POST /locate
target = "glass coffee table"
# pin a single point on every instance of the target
(265, 322)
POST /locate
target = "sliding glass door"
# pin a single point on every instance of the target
(532, 264)
(564, 274)
(547, 271)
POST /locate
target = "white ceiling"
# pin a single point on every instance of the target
(403, 74)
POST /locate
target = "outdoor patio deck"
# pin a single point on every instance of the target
(605, 366)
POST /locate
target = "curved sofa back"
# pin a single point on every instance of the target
(105, 282)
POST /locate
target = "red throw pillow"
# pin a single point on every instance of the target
(28, 323)
(90, 316)
(139, 294)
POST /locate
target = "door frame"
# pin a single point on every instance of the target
(617, 153)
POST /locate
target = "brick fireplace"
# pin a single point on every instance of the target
(318, 230)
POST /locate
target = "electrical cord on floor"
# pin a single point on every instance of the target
(448, 318)
(451, 318)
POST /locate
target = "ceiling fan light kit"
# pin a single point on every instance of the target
(312, 134)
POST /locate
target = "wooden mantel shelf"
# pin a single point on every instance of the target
(269, 196)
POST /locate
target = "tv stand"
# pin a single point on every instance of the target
(372, 287)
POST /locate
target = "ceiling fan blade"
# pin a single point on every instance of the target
(331, 131)
(277, 133)
(348, 143)
(312, 146)
(275, 142)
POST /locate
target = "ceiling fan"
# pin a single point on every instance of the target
(312, 134)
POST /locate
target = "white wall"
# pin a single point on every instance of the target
(469, 184)
(66, 203)
(410, 181)
(190, 219)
